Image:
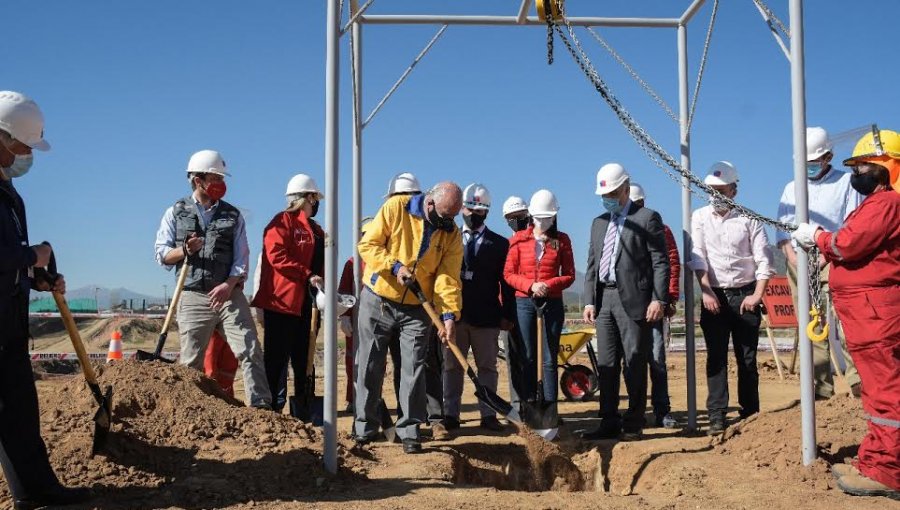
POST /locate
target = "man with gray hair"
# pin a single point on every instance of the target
(411, 238)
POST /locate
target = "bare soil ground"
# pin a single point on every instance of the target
(177, 442)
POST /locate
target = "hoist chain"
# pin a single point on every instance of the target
(772, 17)
(548, 15)
(815, 282)
(703, 59)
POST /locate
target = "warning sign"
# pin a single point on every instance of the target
(780, 304)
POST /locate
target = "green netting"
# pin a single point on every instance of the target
(85, 305)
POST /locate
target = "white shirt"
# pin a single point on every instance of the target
(831, 200)
(732, 249)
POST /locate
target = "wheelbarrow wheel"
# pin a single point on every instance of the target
(578, 383)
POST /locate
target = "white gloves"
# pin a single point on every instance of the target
(805, 235)
(346, 328)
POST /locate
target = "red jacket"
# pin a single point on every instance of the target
(674, 265)
(865, 251)
(288, 249)
(556, 269)
(346, 284)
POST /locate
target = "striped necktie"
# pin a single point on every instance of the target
(609, 243)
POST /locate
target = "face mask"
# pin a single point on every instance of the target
(440, 223)
(814, 171)
(473, 221)
(21, 165)
(216, 190)
(517, 224)
(864, 184)
(315, 209)
(612, 205)
(543, 224)
(719, 205)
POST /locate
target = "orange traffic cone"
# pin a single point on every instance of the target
(115, 347)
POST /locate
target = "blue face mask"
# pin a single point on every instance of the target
(20, 166)
(813, 170)
(612, 205)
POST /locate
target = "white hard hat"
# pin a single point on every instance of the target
(817, 143)
(636, 192)
(477, 197)
(21, 117)
(721, 173)
(207, 162)
(610, 177)
(344, 302)
(514, 204)
(302, 183)
(403, 183)
(543, 204)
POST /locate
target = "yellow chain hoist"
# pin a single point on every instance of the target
(547, 8)
(817, 329)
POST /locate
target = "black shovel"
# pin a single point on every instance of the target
(103, 416)
(540, 415)
(173, 306)
(490, 398)
(309, 408)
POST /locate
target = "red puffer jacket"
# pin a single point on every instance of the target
(556, 268)
(288, 247)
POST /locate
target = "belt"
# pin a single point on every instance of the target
(738, 291)
(608, 285)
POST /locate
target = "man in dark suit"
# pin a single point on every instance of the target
(483, 313)
(626, 290)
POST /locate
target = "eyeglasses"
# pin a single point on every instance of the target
(864, 168)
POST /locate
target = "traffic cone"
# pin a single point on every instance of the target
(115, 347)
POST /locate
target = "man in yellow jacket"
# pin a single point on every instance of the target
(411, 238)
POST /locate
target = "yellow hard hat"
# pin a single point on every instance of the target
(881, 147)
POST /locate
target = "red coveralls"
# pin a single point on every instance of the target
(220, 363)
(346, 287)
(865, 282)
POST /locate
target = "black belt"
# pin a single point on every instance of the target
(608, 285)
(750, 288)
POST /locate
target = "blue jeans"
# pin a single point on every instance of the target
(659, 377)
(554, 314)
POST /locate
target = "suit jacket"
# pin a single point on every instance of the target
(641, 265)
(487, 297)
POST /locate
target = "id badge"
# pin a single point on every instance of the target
(467, 275)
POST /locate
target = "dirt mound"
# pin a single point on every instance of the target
(175, 431)
(134, 331)
(772, 441)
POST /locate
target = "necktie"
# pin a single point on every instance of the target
(609, 243)
(470, 248)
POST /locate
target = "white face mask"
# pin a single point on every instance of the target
(21, 165)
(543, 224)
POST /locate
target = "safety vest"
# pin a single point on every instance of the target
(212, 264)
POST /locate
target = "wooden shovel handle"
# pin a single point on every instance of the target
(439, 324)
(69, 321)
(179, 286)
(313, 335)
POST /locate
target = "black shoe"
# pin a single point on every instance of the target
(451, 423)
(412, 446)
(601, 433)
(716, 427)
(491, 423)
(57, 496)
(856, 390)
(633, 435)
(361, 441)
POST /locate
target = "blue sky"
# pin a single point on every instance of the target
(131, 89)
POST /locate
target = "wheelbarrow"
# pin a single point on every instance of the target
(577, 382)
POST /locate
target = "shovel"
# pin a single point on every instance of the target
(311, 409)
(540, 415)
(103, 416)
(161, 342)
(490, 398)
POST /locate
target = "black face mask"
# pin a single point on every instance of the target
(473, 221)
(445, 224)
(315, 210)
(517, 224)
(864, 184)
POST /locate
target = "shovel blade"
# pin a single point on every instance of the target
(540, 415)
(149, 356)
(102, 421)
(496, 403)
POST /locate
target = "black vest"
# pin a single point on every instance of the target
(211, 265)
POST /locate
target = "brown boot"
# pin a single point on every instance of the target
(840, 470)
(859, 485)
(439, 432)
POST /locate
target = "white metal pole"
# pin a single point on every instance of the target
(332, 82)
(687, 279)
(427, 19)
(798, 116)
(356, 33)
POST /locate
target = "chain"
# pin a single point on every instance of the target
(703, 59)
(615, 55)
(548, 15)
(643, 138)
(815, 282)
(772, 17)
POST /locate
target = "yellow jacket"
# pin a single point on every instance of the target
(396, 235)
